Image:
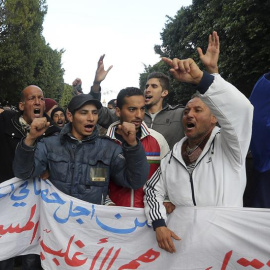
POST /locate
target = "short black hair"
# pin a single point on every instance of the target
(127, 92)
(163, 79)
(112, 102)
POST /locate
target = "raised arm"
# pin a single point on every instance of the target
(185, 70)
(225, 102)
(101, 74)
(210, 58)
(24, 165)
(37, 128)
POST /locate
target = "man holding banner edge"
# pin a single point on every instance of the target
(207, 167)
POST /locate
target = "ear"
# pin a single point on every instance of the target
(164, 93)
(69, 116)
(21, 106)
(213, 119)
(117, 112)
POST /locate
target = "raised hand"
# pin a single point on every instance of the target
(77, 81)
(184, 70)
(210, 58)
(37, 128)
(101, 73)
(128, 132)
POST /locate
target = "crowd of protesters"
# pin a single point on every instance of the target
(191, 155)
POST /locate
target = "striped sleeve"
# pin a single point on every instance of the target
(155, 193)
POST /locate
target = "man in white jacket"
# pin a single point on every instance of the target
(207, 166)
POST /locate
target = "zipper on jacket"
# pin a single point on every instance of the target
(152, 122)
(190, 175)
(212, 145)
(132, 198)
(102, 199)
(192, 189)
(190, 180)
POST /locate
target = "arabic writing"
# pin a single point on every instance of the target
(256, 264)
(17, 229)
(73, 261)
(147, 257)
(104, 256)
(71, 233)
(76, 212)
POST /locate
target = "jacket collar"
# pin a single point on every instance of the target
(66, 134)
(168, 107)
(176, 151)
(112, 129)
(14, 128)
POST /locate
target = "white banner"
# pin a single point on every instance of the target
(71, 234)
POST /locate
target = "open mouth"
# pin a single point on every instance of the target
(148, 97)
(190, 125)
(60, 123)
(37, 112)
(89, 128)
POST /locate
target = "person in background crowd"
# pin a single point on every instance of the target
(13, 127)
(207, 166)
(88, 162)
(131, 108)
(58, 116)
(5, 106)
(165, 119)
(112, 104)
(259, 185)
(50, 104)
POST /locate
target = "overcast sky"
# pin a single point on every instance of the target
(126, 31)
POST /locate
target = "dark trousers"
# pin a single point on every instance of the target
(29, 262)
(7, 264)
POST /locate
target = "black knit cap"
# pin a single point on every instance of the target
(78, 101)
(56, 110)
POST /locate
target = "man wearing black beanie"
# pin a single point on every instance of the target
(59, 117)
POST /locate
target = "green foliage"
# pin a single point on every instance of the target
(25, 57)
(48, 73)
(243, 27)
(66, 95)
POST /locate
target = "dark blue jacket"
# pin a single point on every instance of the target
(259, 185)
(83, 169)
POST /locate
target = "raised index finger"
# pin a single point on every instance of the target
(167, 61)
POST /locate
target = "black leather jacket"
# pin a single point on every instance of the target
(11, 133)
